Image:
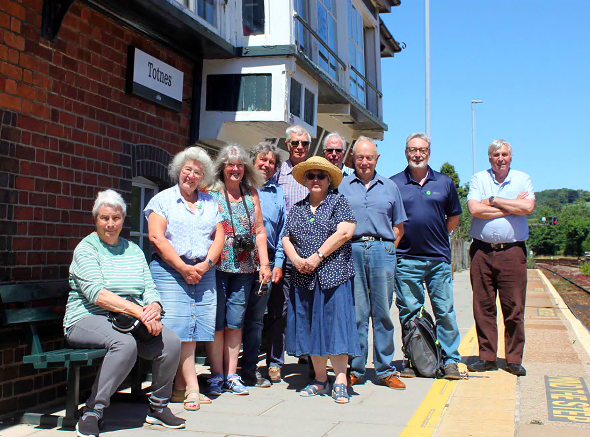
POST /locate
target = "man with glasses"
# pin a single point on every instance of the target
(297, 141)
(424, 253)
(499, 200)
(334, 148)
(379, 212)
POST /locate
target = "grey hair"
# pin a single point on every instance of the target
(109, 198)
(364, 138)
(497, 145)
(420, 135)
(233, 152)
(196, 154)
(331, 185)
(334, 135)
(297, 130)
(265, 147)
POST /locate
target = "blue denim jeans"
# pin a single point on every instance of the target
(252, 331)
(411, 273)
(374, 265)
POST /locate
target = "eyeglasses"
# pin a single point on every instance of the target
(420, 150)
(296, 143)
(339, 151)
(238, 166)
(318, 176)
(188, 171)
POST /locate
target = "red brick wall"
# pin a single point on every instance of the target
(66, 131)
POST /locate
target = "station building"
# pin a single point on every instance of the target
(100, 94)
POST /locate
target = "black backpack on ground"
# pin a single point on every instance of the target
(421, 346)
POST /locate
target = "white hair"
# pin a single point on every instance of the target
(420, 135)
(333, 135)
(497, 145)
(363, 138)
(297, 130)
(191, 153)
(109, 198)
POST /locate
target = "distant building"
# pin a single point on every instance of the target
(100, 94)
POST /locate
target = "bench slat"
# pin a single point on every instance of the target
(64, 355)
(27, 315)
(36, 291)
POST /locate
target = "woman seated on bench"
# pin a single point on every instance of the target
(105, 270)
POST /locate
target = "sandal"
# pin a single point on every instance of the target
(187, 401)
(315, 388)
(340, 394)
(178, 396)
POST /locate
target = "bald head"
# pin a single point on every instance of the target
(365, 158)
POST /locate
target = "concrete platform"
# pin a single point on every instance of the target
(552, 400)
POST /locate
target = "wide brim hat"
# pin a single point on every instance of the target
(317, 163)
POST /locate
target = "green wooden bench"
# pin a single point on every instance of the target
(28, 304)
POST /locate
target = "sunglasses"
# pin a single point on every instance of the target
(318, 176)
(333, 150)
(296, 143)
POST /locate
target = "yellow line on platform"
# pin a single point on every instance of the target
(430, 412)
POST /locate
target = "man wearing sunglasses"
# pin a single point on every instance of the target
(380, 216)
(424, 253)
(297, 141)
(334, 148)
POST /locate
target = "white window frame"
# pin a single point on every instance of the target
(332, 72)
(357, 87)
(142, 183)
(191, 9)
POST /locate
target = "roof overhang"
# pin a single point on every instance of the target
(168, 24)
(385, 6)
(388, 44)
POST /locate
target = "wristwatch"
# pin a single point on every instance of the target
(209, 262)
(491, 199)
(320, 254)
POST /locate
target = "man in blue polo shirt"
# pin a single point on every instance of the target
(379, 213)
(424, 253)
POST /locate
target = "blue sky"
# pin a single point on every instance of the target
(529, 61)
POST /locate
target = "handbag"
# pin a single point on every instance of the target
(128, 324)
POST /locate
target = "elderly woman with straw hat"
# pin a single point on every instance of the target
(321, 315)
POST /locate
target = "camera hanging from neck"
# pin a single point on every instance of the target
(233, 228)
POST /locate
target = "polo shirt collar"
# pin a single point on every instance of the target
(270, 184)
(431, 176)
(376, 178)
(493, 176)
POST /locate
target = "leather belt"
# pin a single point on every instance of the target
(498, 246)
(369, 238)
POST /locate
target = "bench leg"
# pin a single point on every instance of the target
(72, 393)
(136, 380)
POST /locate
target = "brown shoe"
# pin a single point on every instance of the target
(393, 382)
(352, 379)
(274, 374)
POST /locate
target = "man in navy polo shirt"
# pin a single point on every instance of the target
(424, 253)
(379, 212)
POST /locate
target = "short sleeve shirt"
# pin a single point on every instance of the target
(511, 228)
(377, 208)
(309, 231)
(191, 233)
(428, 206)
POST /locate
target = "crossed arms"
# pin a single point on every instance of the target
(501, 207)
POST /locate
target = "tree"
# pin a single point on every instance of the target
(461, 232)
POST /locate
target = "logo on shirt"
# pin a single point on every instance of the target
(428, 193)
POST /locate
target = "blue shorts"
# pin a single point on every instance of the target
(190, 309)
(233, 292)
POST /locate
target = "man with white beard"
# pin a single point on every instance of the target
(424, 253)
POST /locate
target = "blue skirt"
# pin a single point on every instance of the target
(190, 309)
(322, 322)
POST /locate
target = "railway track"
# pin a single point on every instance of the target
(576, 296)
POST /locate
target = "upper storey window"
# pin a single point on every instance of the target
(356, 52)
(327, 32)
(253, 17)
(203, 8)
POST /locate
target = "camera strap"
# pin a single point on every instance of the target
(233, 228)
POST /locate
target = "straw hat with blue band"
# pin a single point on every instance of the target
(317, 163)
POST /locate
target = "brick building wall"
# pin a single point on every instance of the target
(67, 130)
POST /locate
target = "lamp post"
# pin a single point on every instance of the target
(427, 64)
(473, 103)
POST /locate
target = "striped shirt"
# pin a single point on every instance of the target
(120, 269)
(294, 191)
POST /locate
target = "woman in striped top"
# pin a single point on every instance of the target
(105, 270)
